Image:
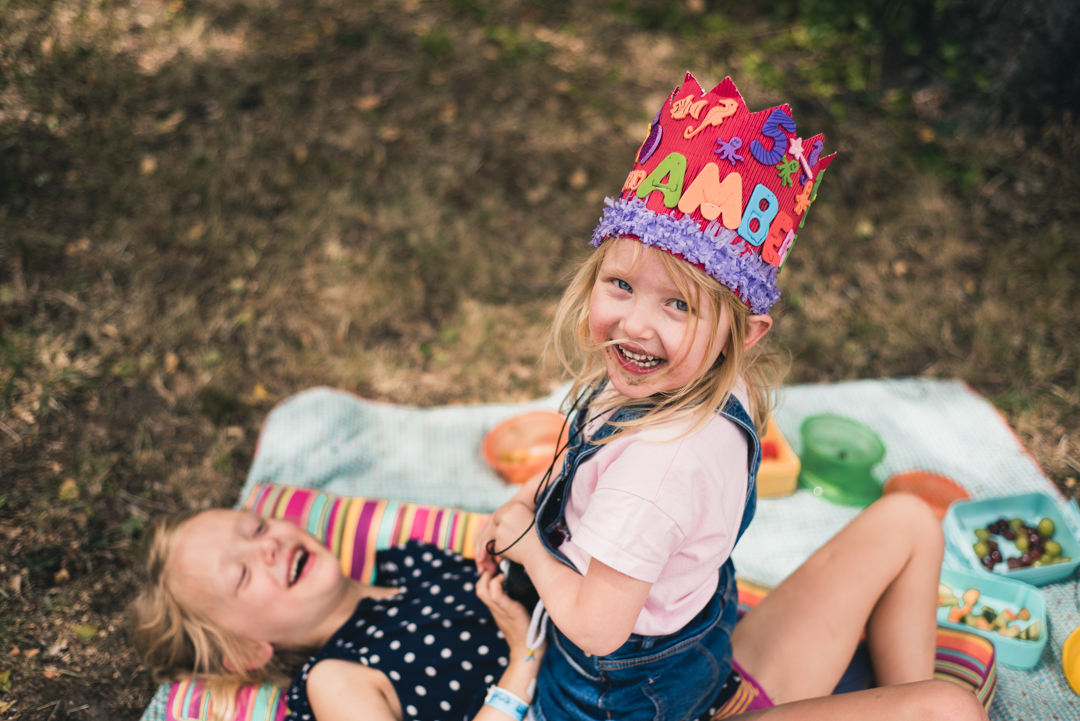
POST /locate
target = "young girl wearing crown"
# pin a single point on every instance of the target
(631, 553)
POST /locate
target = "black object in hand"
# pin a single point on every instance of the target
(518, 585)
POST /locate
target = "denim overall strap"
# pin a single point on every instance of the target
(733, 410)
(551, 510)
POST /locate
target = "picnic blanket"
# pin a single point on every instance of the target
(336, 441)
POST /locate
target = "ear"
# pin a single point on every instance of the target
(756, 328)
(257, 654)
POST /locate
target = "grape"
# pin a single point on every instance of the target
(1045, 528)
(983, 534)
(1009, 535)
(1052, 548)
(981, 549)
(1022, 543)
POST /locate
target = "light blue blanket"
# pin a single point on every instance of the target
(339, 442)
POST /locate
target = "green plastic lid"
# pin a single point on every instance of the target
(837, 455)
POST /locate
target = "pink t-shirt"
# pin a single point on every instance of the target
(662, 509)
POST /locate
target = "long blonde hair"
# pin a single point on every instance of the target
(179, 643)
(759, 368)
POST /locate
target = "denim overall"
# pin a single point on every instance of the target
(658, 678)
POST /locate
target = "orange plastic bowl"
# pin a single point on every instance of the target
(937, 490)
(522, 446)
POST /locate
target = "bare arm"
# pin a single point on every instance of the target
(596, 611)
(338, 691)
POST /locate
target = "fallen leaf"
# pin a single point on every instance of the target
(57, 648)
(30, 653)
(197, 231)
(5, 706)
(389, 133)
(51, 672)
(62, 576)
(172, 362)
(170, 123)
(69, 490)
(367, 102)
(259, 392)
(79, 246)
(85, 631)
(5, 681)
(147, 165)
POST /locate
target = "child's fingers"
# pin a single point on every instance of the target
(482, 588)
(484, 561)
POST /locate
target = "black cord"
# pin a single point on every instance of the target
(544, 483)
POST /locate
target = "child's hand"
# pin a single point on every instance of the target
(510, 530)
(510, 616)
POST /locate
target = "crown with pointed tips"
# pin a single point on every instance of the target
(721, 187)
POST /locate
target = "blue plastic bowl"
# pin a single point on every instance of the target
(963, 517)
(1000, 594)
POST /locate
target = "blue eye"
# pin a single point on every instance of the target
(622, 285)
(682, 305)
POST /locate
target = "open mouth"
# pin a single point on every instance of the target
(299, 560)
(637, 362)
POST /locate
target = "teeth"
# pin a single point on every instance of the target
(639, 359)
(297, 564)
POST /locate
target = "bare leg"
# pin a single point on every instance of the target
(880, 573)
(922, 701)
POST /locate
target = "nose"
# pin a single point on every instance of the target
(637, 323)
(267, 549)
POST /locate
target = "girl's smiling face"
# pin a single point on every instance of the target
(265, 580)
(657, 343)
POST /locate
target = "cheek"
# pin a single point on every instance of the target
(597, 321)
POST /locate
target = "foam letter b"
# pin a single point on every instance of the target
(754, 211)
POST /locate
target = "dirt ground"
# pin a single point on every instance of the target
(208, 205)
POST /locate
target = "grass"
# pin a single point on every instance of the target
(207, 206)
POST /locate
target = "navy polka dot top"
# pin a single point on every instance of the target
(435, 640)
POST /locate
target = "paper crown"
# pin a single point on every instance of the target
(721, 187)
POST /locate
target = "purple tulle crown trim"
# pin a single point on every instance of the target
(746, 274)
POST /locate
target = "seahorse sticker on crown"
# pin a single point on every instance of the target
(721, 187)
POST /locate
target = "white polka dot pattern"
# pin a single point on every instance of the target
(438, 661)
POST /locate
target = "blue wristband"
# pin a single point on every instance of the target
(508, 703)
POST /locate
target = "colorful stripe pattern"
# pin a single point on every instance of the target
(962, 658)
(189, 702)
(354, 528)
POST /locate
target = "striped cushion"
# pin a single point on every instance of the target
(354, 528)
(189, 702)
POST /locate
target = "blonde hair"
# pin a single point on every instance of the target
(179, 643)
(711, 387)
